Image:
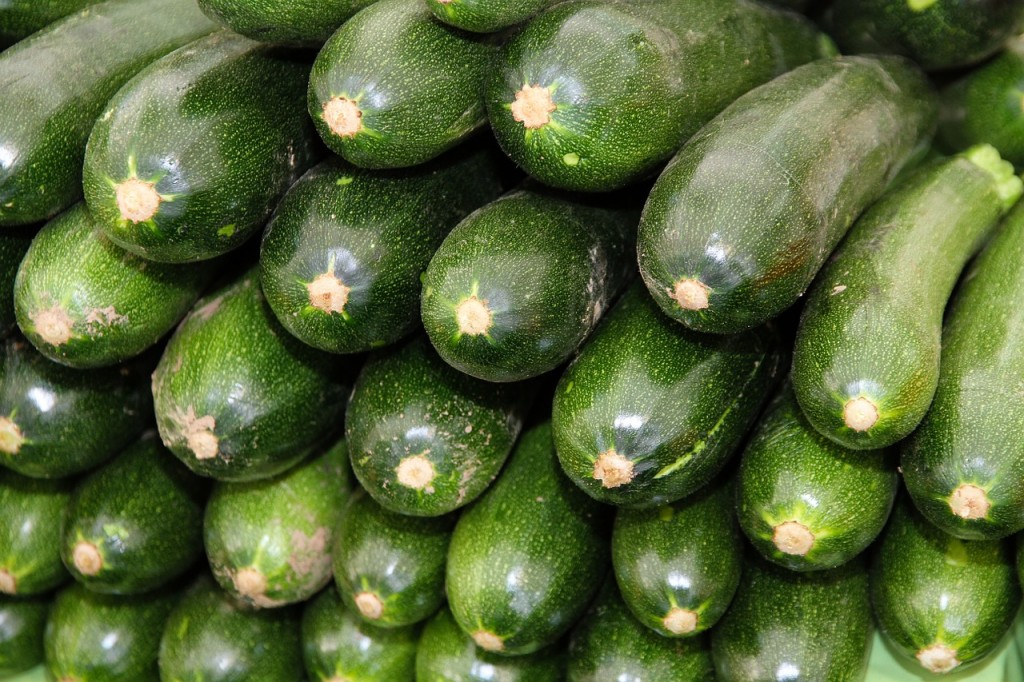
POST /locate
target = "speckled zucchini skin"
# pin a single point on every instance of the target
(21, 18)
(785, 626)
(56, 83)
(14, 243)
(292, 22)
(269, 542)
(754, 203)
(527, 559)
(30, 516)
(544, 270)
(417, 84)
(482, 16)
(102, 638)
(142, 514)
(971, 434)
(387, 224)
(610, 644)
(218, 131)
(790, 473)
(680, 559)
(389, 568)
(237, 397)
(630, 82)
(929, 588)
(84, 302)
(55, 421)
(669, 404)
(425, 439)
(22, 622)
(337, 645)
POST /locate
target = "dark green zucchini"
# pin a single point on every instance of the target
(342, 274)
(485, 16)
(610, 644)
(426, 439)
(14, 243)
(103, 638)
(55, 84)
(943, 601)
(21, 18)
(804, 502)
(269, 542)
(649, 412)
(526, 560)
(57, 421)
(677, 566)
(964, 465)
(236, 396)
(593, 95)
(516, 287)
(136, 523)
(84, 302)
(337, 645)
(393, 87)
(22, 623)
(744, 216)
(31, 511)
(389, 568)
(306, 23)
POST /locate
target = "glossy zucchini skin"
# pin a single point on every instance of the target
(744, 216)
(14, 243)
(485, 17)
(55, 85)
(31, 510)
(22, 623)
(305, 23)
(21, 18)
(649, 412)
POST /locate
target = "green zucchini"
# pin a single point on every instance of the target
(649, 412)
(306, 23)
(30, 516)
(424, 438)
(269, 542)
(84, 302)
(21, 18)
(393, 87)
(593, 95)
(338, 645)
(237, 397)
(389, 568)
(103, 638)
(485, 17)
(516, 287)
(526, 560)
(342, 274)
(678, 565)
(610, 644)
(941, 600)
(135, 523)
(14, 243)
(745, 215)
(805, 502)
(55, 421)
(22, 623)
(191, 156)
(55, 85)
(964, 465)
(891, 279)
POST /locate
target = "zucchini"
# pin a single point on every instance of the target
(941, 600)
(526, 560)
(424, 438)
(520, 284)
(741, 220)
(891, 279)
(593, 95)
(190, 157)
(14, 243)
(22, 622)
(21, 18)
(394, 88)
(485, 17)
(306, 23)
(649, 412)
(30, 516)
(369, 296)
(84, 302)
(237, 397)
(55, 84)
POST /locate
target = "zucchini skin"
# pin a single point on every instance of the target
(86, 58)
(14, 243)
(744, 216)
(970, 435)
(84, 302)
(210, 138)
(21, 18)
(944, 601)
(305, 23)
(22, 623)
(631, 427)
(31, 510)
(408, 87)
(335, 209)
(486, 17)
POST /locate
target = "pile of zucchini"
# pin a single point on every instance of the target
(455, 340)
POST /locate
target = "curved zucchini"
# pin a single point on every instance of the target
(486, 16)
(21, 18)
(14, 243)
(31, 511)
(306, 23)
(22, 623)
